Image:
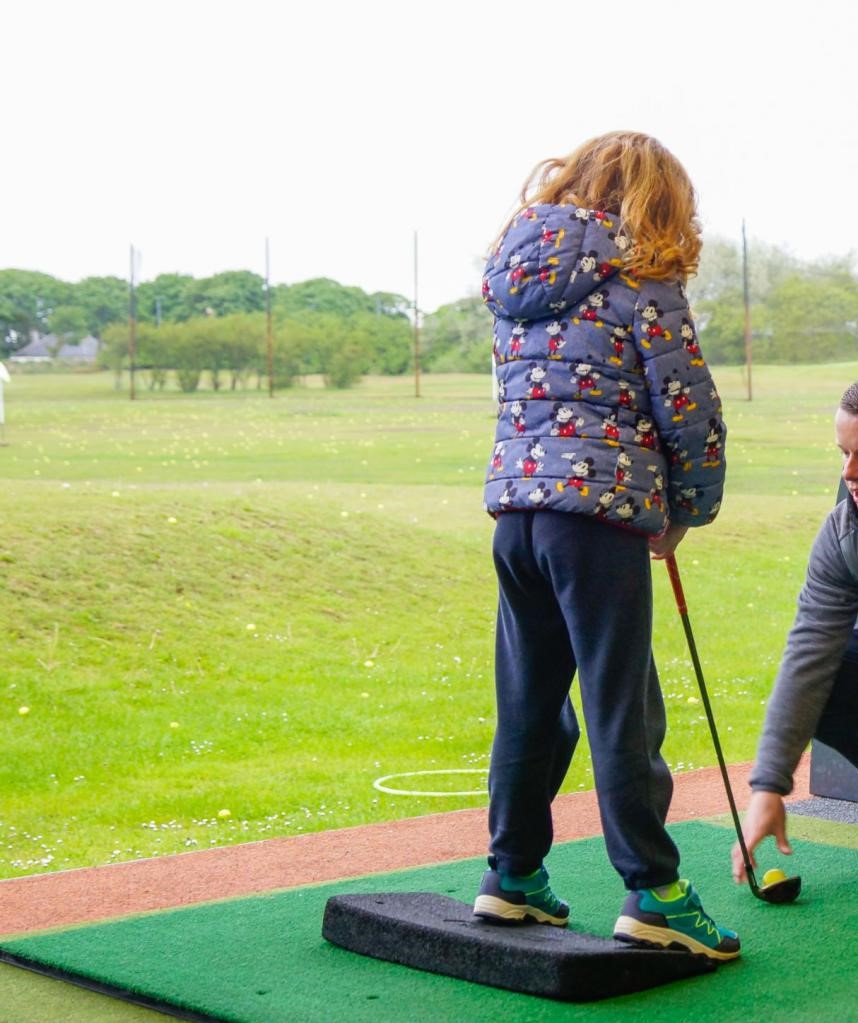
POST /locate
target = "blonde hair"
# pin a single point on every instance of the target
(634, 176)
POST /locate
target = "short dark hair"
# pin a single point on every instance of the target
(849, 401)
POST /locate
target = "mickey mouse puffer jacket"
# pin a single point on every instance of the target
(606, 406)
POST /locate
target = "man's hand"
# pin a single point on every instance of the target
(663, 545)
(765, 816)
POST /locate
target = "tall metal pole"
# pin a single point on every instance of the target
(268, 332)
(132, 328)
(416, 327)
(747, 298)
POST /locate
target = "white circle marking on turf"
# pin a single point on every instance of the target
(379, 782)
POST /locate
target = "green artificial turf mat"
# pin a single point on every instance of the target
(263, 960)
(26, 997)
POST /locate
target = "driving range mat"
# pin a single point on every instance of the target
(263, 959)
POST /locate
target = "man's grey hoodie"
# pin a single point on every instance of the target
(827, 611)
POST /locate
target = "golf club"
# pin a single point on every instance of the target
(778, 891)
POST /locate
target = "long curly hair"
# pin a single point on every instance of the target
(633, 176)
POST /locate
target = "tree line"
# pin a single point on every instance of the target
(800, 311)
(216, 325)
(32, 301)
(233, 349)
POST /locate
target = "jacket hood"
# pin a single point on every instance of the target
(550, 258)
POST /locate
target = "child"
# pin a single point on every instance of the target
(612, 446)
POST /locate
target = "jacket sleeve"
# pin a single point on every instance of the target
(686, 407)
(827, 607)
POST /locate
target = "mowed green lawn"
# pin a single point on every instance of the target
(223, 602)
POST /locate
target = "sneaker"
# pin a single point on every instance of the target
(648, 919)
(506, 898)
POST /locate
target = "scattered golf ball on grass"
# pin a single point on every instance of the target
(223, 814)
(23, 711)
(773, 876)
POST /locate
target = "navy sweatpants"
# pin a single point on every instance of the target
(575, 594)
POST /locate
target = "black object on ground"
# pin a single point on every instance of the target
(439, 934)
(831, 774)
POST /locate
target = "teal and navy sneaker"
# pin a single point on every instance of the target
(506, 898)
(681, 922)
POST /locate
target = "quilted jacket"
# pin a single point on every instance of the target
(606, 406)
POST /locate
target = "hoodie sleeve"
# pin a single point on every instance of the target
(827, 607)
(685, 403)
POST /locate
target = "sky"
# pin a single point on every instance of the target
(196, 130)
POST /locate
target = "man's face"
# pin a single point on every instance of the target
(846, 435)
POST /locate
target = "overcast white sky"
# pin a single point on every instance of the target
(196, 129)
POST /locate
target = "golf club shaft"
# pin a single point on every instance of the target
(676, 582)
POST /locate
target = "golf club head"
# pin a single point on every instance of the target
(779, 892)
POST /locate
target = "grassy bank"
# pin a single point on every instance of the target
(222, 602)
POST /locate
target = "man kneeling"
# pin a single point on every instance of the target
(816, 687)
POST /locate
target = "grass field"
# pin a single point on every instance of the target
(222, 602)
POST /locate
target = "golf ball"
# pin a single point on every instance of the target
(773, 876)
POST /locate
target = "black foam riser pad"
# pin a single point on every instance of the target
(441, 935)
